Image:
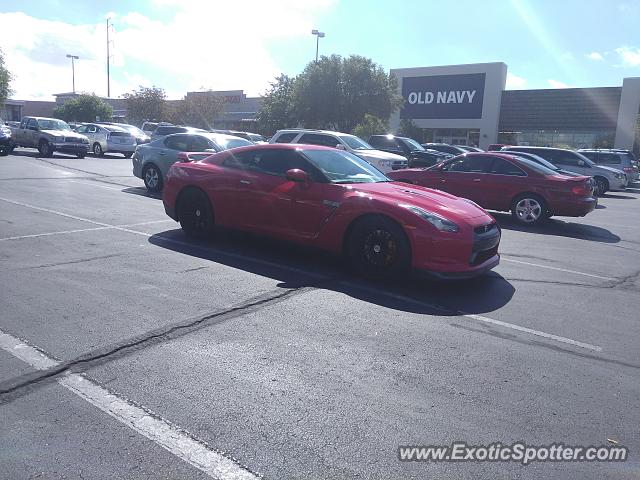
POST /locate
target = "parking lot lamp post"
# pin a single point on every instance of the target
(73, 70)
(318, 35)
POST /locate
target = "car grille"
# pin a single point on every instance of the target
(485, 243)
(72, 140)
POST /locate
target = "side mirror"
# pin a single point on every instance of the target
(183, 157)
(339, 146)
(297, 175)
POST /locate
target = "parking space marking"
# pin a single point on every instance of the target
(480, 318)
(575, 272)
(139, 418)
(64, 232)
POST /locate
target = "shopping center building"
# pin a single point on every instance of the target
(459, 104)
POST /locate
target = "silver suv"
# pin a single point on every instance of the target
(606, 178)
(621, 159)
(383, 161)
(108, 138)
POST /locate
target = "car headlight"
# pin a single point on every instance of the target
(619, 176)
(5, 130)
(438, 221)
(58, 139)
(85, 140)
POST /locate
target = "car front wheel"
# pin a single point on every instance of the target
(378, 248)
(152, 178)
(529, 209)
(195, 214)
(97, 150)
(602, 186)
(45, 149)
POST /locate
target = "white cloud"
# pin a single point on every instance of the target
(630, 56)
(557, 84)
(204, 44)
(595, 56)
(514, 81)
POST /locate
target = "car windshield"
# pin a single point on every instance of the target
(355, 143)
(51, 124)
(413, 144)
(344, 167)
(227, 143)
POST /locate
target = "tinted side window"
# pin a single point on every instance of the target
(594, 156)
(317, 139)
(32, 123)
(169, 130)
(177, 142)
(198, 143)
(81, 129)
(384, 142)
(479, 164)
(563, 158)
(610, 158)
(286, 137)
(503, 167)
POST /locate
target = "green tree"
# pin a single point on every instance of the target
(409, 129)
(146, 103)
(84, 108)
(5, 80)
(337, 92)
(198, 109)
(370, 125)
(277, 109)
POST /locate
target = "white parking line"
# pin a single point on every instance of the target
(480, 318)
(575, 272)
(64, 232)
(147, 423)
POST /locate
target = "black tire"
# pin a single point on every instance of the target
(152, 178)
(4, 152)
(602, 186)
(127, 154)
(378, 248)
(97, 150)
(45, 148)
(195, 214)
(80, 155)
(529, 209)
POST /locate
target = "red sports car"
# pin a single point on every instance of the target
(331, 199)
(497, 181)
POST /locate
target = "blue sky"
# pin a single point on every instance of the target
(183, 45)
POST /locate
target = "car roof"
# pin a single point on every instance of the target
(311, 130)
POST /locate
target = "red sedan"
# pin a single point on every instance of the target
(496, 181)
(331, 199)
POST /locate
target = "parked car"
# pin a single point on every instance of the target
(334, 200)
(252, 137)
(149, 127)
(151, 161)
(606, 178)
(140, 136)
(49, 135)
(164, 130)
(506, 182)
(496, 147)
(6, 145)
(445, 148)
(108, 138)
(416, 154)
(620, 159)
(383, 161)
(560, 171)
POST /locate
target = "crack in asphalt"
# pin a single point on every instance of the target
(23, 384)
(69, 168)
(626, 283)
(71, 262)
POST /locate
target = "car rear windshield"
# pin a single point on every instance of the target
(355, 143)
(344, 167)
(413, 144)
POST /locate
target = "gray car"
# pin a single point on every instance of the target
(606, 178)
(151, 161)
(108, 138)
(621, 159)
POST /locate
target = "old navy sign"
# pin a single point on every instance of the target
(443, 96)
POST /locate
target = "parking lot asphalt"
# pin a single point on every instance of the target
(278, 361)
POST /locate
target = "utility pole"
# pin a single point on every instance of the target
(318, 35)
(73, 70)
(108, 60)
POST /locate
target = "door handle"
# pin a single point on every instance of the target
(245, 182)
(476, 179)
(162, 153)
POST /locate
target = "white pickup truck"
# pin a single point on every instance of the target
(49, 135)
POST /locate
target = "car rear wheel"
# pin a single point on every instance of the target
(195, 214)
(97, 150)
(152, 178)
(45, 148)
(602, 186)
(529, 209)
(378, 248)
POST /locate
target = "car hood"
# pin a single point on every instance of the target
(609, 169)
(63, 133)
(378, 154)
(429, 199)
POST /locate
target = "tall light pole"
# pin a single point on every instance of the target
(73, 70)
(318, 35)
(108, 60)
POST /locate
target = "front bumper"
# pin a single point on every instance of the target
(70, 147)
(476, 271)
(5, 141)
